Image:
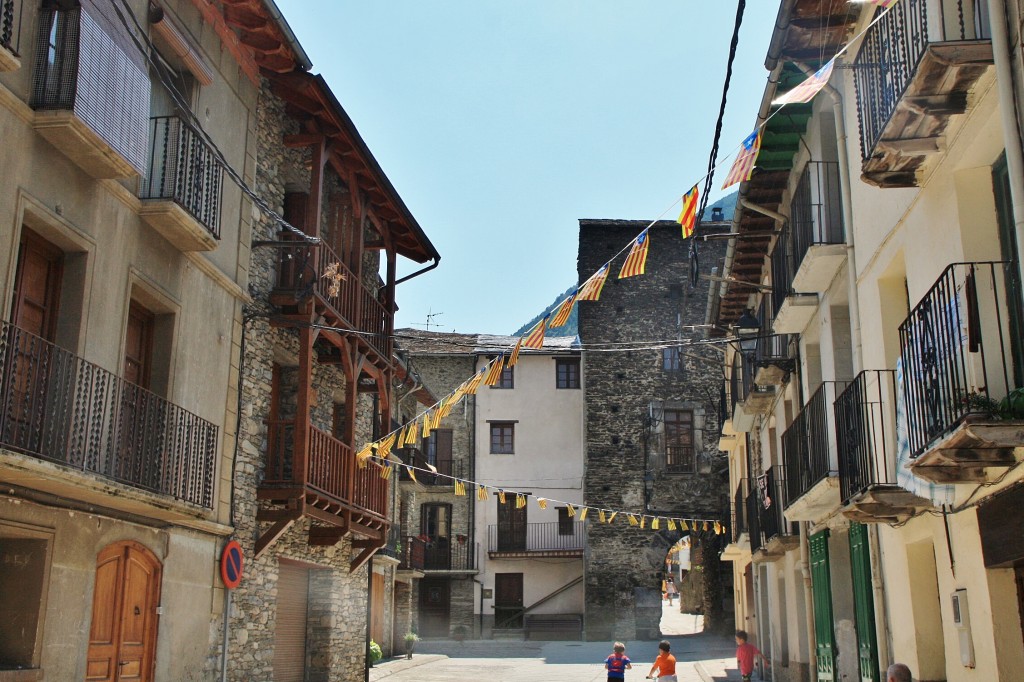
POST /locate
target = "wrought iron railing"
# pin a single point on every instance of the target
(448, 554)
(782, 272)
(413, 554)
(741, 378)
(393, 546)
(866, 431)
(330, 469)
(891, 53)
(56, 406)
(771, 348)
(184, 169)
(680, 459)
(817, 209)
(771, 502)
(739, 510)
(957, 350)
(305, 270)
(536, 537)
(809, 444)
(754, 518)
(11, 12)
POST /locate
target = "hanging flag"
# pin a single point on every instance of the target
(806, 91)
(688, 216)
(655, 523)
(671, 524)
(428, 420)
(460, 488)
(385, 472)
(385, 445)
(501, 496)
(481, 493)
(494, 371)
(365, 453)
(583, 513)
(473, 384)
(535, 339)
(514, 358)
(520, 500)
(570, 510)
(718, 528)
(601, 518)
(743, 166)
(633, 521)
(412, 473)
(643, 521)
(636, 261)
(611, 517)
(542, 503)
(682, 525)
(705, 526)
(562, 316)
(591, 289)
(883, 3)
(439, 413)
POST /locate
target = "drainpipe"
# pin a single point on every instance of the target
(1008, 113)
(434, 264)
(805, 570)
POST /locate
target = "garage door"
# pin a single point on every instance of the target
(290, 630)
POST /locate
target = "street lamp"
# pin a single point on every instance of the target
(747, 328)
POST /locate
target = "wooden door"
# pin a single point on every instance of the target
(435, 527)
(122, 636)
(138, 345)
(508, 600)
(377, 608)
(434, 607)
(37, 286)
(290, 626)
(511, 526)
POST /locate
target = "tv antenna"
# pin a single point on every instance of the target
(430, 320)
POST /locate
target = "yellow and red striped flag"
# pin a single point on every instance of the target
(591, 289)
(601, 518)
(583, 513)
(743, 166)
(570, 510)
(806, 91)
(883, 3)
(611, 517)
(514, 358)
(520, 500)
(636, 261)
(384, 449)
(460, 488)
(428, 423)
(688, 216)
(535, 339)
(494, 371)
(501, 496)
(671, 524)
(481, 493)
(410, 437)
(412, 473)
(682, 525)
(655, 523)
(385, 471)
(542, 503)
(473, 384)
(562, 316)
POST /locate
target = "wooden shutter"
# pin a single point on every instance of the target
(377, 609)
(138, 345)
(443, 450)
(37, 286)
(863, 602)
(821, 589)
(290, 625)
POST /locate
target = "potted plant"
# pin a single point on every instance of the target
(375, 653)
(410, 643)
(459, 632)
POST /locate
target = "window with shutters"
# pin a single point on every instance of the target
(679, 451)
(567, 372)
(502, 438)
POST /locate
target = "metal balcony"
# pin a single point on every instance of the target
(453, 554)
(777, 535)
(809, 451)
(11, 13)
(913, 72)
(536, 539)
(959, 352)
(181, 193)
(818, 239)
(57, 407)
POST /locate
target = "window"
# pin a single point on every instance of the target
(149, 340)
(672, 359)
(502, 438)
(567, 372)
(439, 450)
(564, 521)
(507, 379)
(679, 453)
(25, 562)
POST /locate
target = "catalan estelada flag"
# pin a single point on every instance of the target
(542, 503)
(473, 384)
(385, 446)
(591, 289)
(806, 91)
(743, 166)
(636, 261)
(460, 488)
(494, 371)
(688, 216)
(481, 493)
(570, 510)
(514, 358)
(410, 437)
(520, 500)
(583, 513)
(428, 423)
(535, 339)
(385, 471)
(562, 316)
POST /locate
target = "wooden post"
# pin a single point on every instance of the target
(300, 466)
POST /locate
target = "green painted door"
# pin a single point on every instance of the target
(863, 603)
(821, 587)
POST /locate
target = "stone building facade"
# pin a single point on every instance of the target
(634, 462)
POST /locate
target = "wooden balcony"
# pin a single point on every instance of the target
(96, 437)
(91, 98)
(961, 352)
(532, 540)
(913, 73)
(343, 300)
(323, 482)
(10, 34)
(181, 193)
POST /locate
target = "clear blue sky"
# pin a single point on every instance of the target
(503, 122)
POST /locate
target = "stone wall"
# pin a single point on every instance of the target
(627, 393)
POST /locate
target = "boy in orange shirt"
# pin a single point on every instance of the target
(665, 664)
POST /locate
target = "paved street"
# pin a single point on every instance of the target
(499, 661)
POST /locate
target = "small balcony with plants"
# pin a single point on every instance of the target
(809, 449)
(181, 192)
(914, 71)
(91, 98)
(961, 374)
(776, 535)
(870, 488)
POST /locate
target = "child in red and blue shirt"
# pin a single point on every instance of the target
(617, 664)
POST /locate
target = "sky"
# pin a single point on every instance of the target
(501, 123)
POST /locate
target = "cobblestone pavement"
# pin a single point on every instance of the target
(517, 661)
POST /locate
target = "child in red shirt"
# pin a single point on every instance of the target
(745, 655)
(617, 664)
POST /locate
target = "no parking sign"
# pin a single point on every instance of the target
(231, 565)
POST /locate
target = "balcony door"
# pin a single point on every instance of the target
(435, 525)
(439, 452)
(511, 527)
(1008, 250)
(122, 636)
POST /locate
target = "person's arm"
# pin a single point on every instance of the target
(765, 658)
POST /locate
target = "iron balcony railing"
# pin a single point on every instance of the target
(329, 471)
(302, 270)
(783, 270)
(771, 348)
(741, 378)
(536, 537)
(11, 12)
(957, 350)
(753, 504)
(771, 500)
(413, 554)
(674, 459)
(817, 210)
(56, 406)
(393, 547)
(184, 169)
(866, 430)
(739, 510)
(892, 50)
(448, 554)
(809, 444)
